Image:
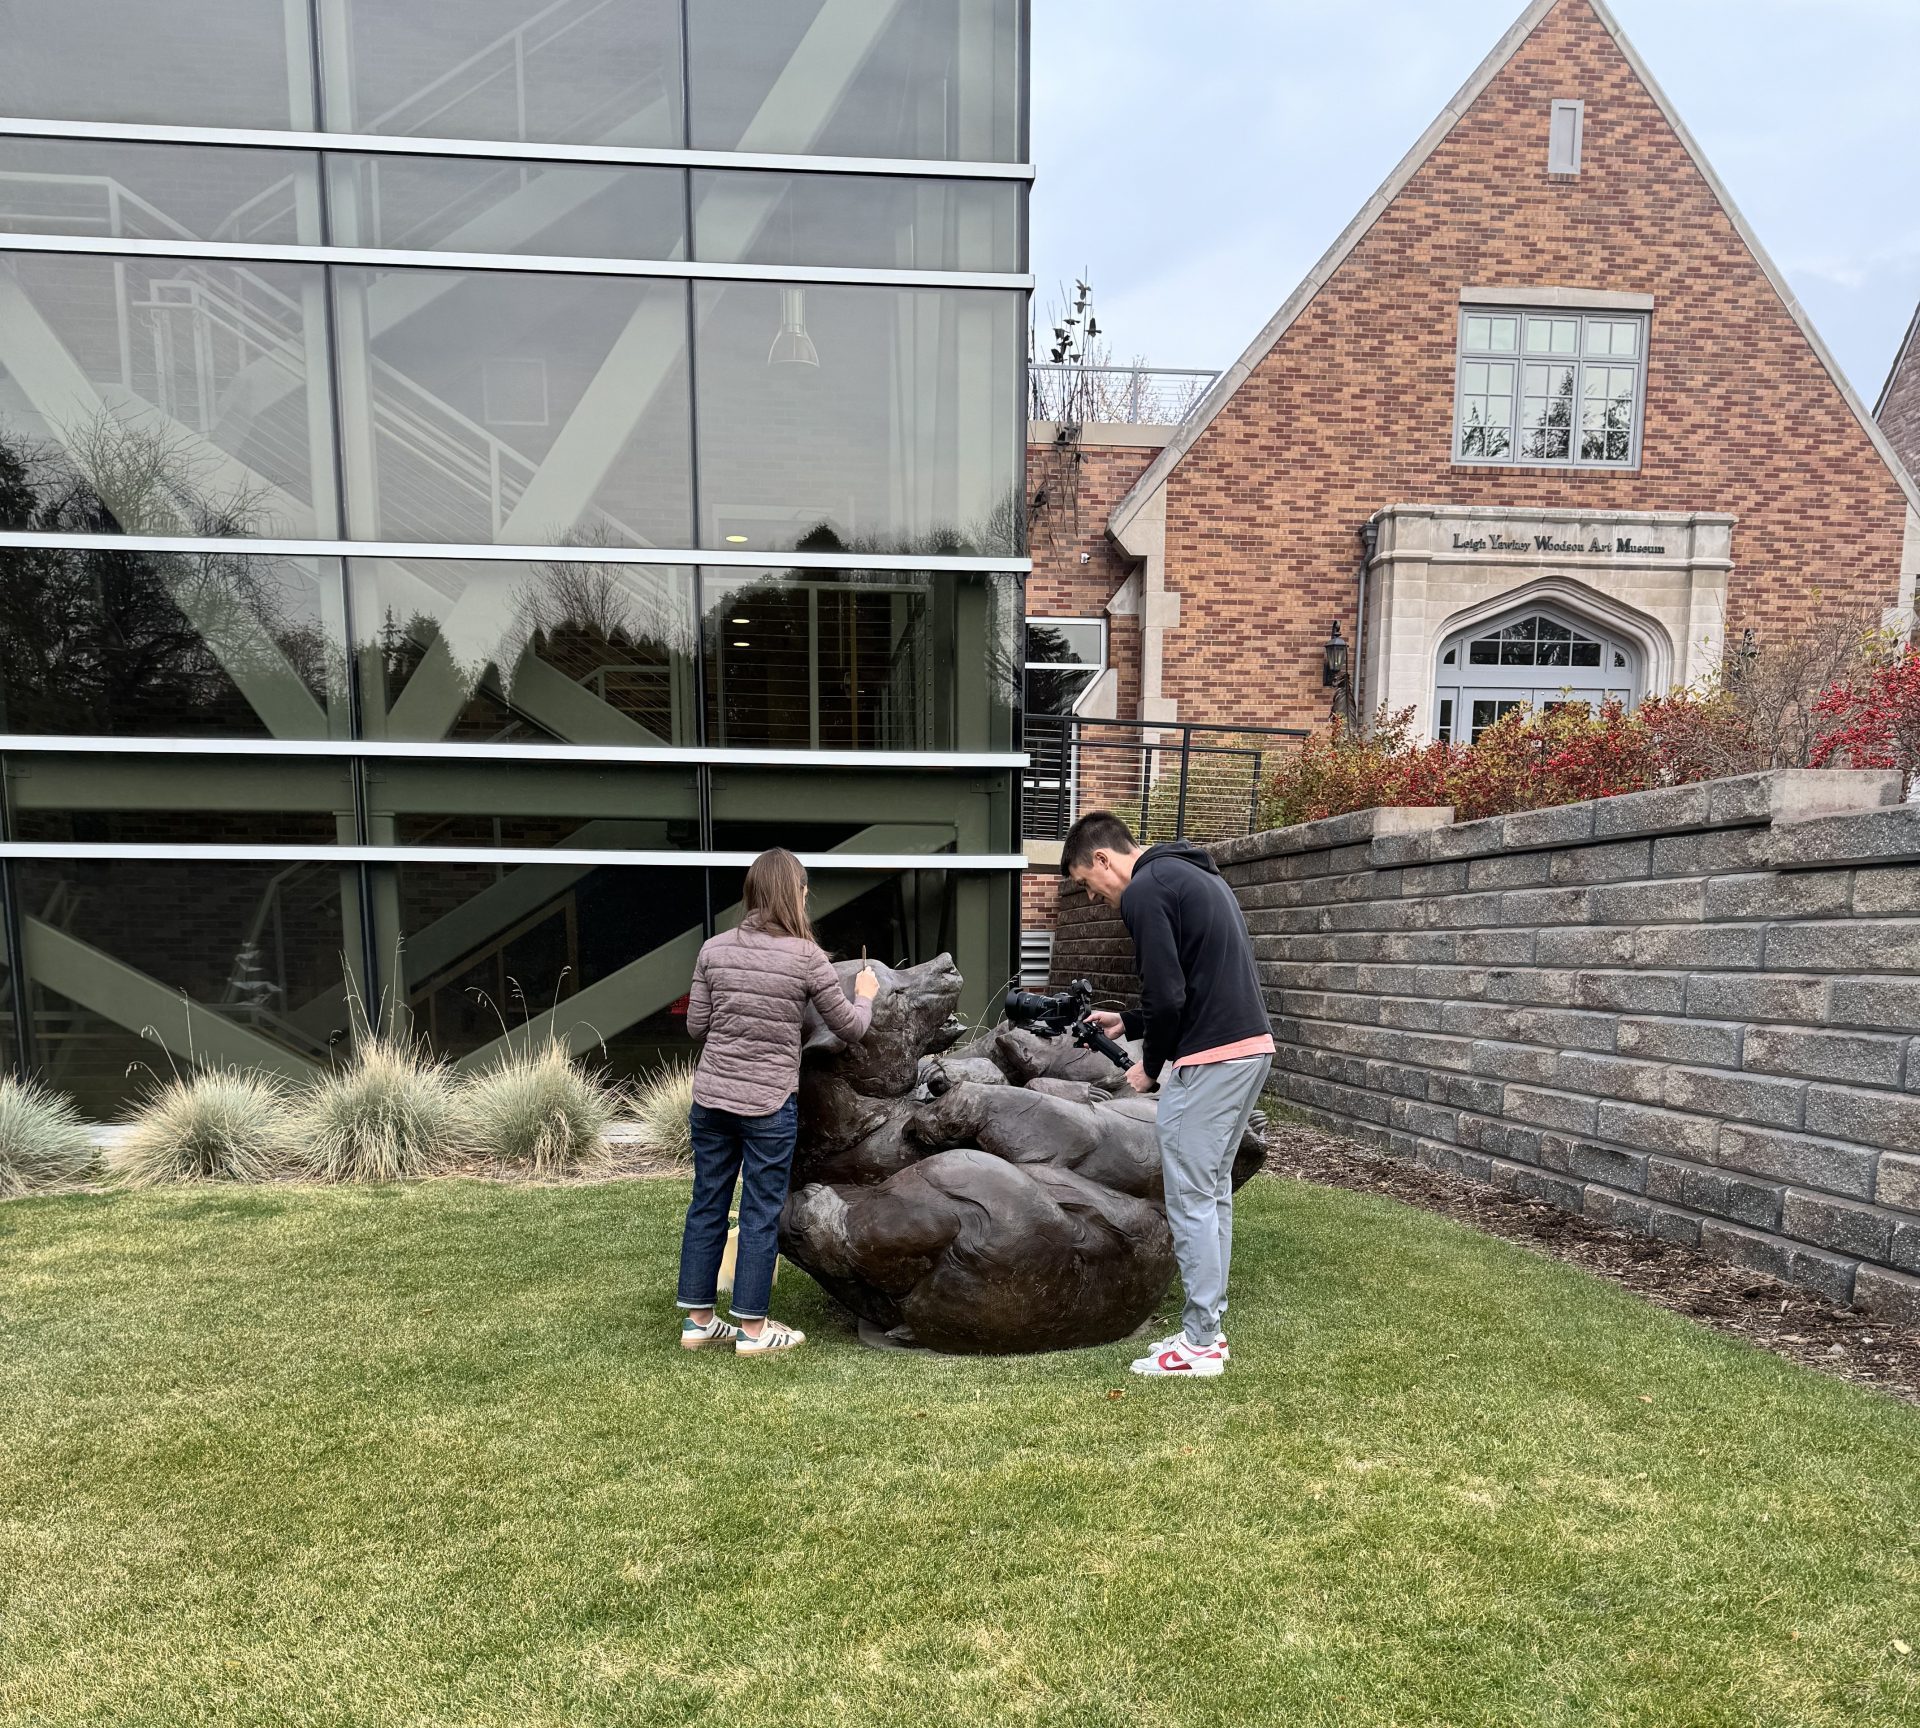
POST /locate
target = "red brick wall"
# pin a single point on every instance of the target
(1900, 408)
(1353, 409)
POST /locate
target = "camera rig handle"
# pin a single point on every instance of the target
(1089, 1037)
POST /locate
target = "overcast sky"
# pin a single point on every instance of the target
(1197, 156)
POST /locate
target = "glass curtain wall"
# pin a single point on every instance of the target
(401, 579)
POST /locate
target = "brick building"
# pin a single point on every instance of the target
(1898, 410)
(1544, 423)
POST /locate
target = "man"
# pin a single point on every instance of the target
(1205, 1033)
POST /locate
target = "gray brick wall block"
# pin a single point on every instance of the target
(1647, 1129)
(1576, 947)
(1532, 985)
(1706, 947)
(1671, 1225)
(1845, 1226)
(1409, 1013)
(1886, 945)
(1398, 1079)
(1904, 1251)
(1619, 861)
(1563, 825)
(1469, 839)
(1504, 1061)
(1545, 906)
(1798, 1159)
(1427, 1119)
(1592, 1163)
(1612, 1077)
(1664, 811)
(1885, 890)
(1632, 992)
(1704, 1043)
(1808, 894)
(1756, 1204)
(1509, 870)
(1713, 853)
(1889, 1119)
(1622, 1211)
(1830, 1274)
(1498, 947)
(1857, 1057)
(1880, 836)
(1426, 880)
(1899, 1183)
(1771, 997)
(1890, 1002)
(1563, 1110)
(1890, 1296)
(1741, 1098)
(1466, 1092)
(1501, 1139)
(1649, 902)
(1464, 911)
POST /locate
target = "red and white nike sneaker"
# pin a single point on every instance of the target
(1181, 1360)
(1173, 1338)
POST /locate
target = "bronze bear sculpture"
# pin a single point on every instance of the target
(995, 1200)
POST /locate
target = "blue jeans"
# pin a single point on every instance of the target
(759, 1150)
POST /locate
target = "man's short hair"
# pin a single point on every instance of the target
(1097, 831)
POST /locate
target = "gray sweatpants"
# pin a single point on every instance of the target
(1203, 1113)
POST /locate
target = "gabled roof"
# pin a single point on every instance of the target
(1909, 351)
(1470, 92)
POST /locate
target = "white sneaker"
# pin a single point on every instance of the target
(1173, 1338)
(1180, 1360)
(773, 1336)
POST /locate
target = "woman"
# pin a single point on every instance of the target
(750, 986)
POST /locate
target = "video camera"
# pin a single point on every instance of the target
(1066, 1011)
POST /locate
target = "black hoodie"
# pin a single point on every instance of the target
(1198, 987)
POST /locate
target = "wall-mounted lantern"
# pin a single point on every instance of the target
(1333, 664)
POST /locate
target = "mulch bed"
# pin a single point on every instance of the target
(1789, 1321)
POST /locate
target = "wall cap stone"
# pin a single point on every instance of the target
(1329, 832)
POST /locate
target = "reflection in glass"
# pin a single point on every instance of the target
(142, 644)
(608, 951)
(901, 399)
(521, 408)
(253, 977)
(588, 653)
(608, 806)
(926, 79)
(565, 72)
(157, 191)
(551, 209)
(149, 800)
(859, 660)
(821, 810)
(878, 220)
(163, 396)
(188, 63)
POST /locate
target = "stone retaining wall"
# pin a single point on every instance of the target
(1691, 1013)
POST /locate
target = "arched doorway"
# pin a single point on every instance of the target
(1537, 656)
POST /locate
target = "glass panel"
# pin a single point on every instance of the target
(1553, 335)
(208, 63)
(158, 191)
(577, 805)
(885, 221)
(518, 408)
(548, 209)
(904, 402)
(1050, 691)
(253, 978)
(482, 949)
(814, 810)
(1483, 653)
(141, 644)
(1445, 730)
(1506, 335)
(927, 79)
(575, 72)
(1473, 376)
(168, 800)
(800, 660)
(1586, 654)
(589, 653)
(1479, 340)
(1451, 656)
(163, 396)
(1063, 642)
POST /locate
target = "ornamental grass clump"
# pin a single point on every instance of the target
(43, 1142)
(539, 1110)
(662, 1105)
(209, 1125)
(390, 1113)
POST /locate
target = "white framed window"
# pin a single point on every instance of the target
(1552, 387)
(1536, 657)
(1064, 656)
(1565, 135)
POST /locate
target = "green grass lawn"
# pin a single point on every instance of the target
(431, 1455)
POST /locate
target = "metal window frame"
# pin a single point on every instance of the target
(21, 539)
(1519, 359)
(879, 863)
(1578, 109)
(381, 749)
(509, 150)
(398, 258)
(1058, 665)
